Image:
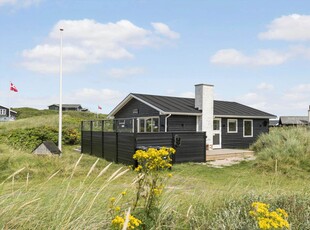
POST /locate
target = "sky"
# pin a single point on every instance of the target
(254, 52)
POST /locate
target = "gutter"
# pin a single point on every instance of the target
(166, 120)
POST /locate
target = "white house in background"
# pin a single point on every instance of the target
(4, 114)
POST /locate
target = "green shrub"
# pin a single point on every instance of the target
(284, 148)
(29, 138)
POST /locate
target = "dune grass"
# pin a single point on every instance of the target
(73, 192)
(284, 149)
(58, 193)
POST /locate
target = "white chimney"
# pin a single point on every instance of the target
(204, 101)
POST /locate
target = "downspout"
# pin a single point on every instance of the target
(166, 121)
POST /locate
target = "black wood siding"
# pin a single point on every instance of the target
(120, 147)
(143, 110)
(96, 148)
(126, 148)
(236, 140)
(182, 123)
(110, 146)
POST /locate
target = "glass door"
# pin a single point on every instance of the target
(217, 137)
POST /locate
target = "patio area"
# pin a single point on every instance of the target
(221, 154)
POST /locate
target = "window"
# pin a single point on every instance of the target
(149, 124)
(216, 124)
(232, 126)
(248, 128)
(2, 111)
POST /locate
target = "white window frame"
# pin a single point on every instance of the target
(2, 111)
(232, 120)
(244, 128)
(152, 122)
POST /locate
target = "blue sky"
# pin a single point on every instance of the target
(253, 52)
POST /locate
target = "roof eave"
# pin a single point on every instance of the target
(181, 113)
(243, 116)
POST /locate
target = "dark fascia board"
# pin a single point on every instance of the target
(125, 101)
(253, 117)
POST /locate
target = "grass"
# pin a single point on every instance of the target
(197, 197)
(67, 193)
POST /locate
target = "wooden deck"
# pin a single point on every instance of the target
(220, 154)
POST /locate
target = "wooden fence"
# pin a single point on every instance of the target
(120, 146)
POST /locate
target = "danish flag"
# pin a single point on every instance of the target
(13, 87)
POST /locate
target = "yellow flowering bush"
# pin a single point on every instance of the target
(267, 219)
(154, 159)
(150, 182)
(152, 166)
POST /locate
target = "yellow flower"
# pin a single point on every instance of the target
(123, 193)
(119, 221)
(269, 220)
(117, 208)
(112, 199)
(170, 175)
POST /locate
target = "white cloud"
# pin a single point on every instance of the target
(19, 3)
(262, 58)
(292, 27)
(121, 73)
(188, 94)
(265, 86)
(163, 29)
(88, 42)
(294, 101)
(229, 57)
(298, 94)
(94, 96)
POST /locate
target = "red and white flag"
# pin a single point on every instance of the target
(13, 87)
(99, 107)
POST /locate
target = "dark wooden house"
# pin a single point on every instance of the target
(227, 124)
(4, 114)
(67, 107)
(295, 120)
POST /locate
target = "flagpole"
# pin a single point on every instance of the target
(60, 96)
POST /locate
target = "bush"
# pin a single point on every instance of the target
(29, 138)
(286, 147)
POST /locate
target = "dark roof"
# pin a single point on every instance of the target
(170, 104)
(68, 105)
(50, 146)
(187, 105)
(228, 108)
(293, 120)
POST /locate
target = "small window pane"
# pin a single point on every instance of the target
(216, 124)
(247, 128)
(141, 123)
(149, 125)
(232, 126)
(155, 124)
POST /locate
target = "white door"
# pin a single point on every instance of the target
(217, 130)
